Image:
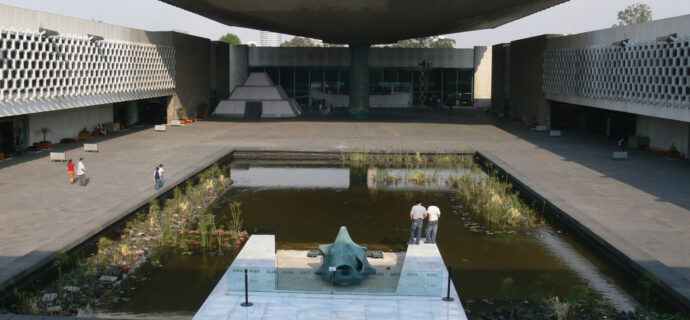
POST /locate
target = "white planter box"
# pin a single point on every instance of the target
(540, 128)
(555, 133)
(620, 154)
(90, 147)
(58, 156)
(160, 128)
(175, 123)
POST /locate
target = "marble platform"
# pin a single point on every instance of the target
(423, 272)
(415, 298)
(258, 257)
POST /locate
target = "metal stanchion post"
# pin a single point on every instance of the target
(246, 302)
(448, 297)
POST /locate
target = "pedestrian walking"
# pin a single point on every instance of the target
(161, 172)
(433, 213)
(156, 178)
(417, 214)
(70, 171)
(18, 141)
(81, 172)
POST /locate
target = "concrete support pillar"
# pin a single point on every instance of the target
(359, 80)
(238, 66)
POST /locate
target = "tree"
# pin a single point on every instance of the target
(634, 13)
(300, 42)
(425, 42)
(230, 38)
(443, 43)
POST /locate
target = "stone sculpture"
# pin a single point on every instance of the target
(348, 258)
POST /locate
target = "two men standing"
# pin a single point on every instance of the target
(417, 214)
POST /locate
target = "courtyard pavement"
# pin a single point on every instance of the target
(639, 206)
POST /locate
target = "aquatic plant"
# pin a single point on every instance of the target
(561, 309)
(491, 197)
(406, 159)
(235, 224)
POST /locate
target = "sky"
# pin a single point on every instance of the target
(575, 16)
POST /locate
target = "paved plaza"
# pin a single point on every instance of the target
(640, 206)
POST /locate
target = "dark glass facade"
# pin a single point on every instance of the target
(444, 86)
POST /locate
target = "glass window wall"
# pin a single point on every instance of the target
(444, 86)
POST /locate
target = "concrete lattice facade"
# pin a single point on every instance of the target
(41, 72)
(650, 72)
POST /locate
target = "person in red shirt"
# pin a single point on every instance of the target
(70, 171)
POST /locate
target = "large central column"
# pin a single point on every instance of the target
(359, 80)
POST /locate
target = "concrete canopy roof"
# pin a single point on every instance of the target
(364, 21)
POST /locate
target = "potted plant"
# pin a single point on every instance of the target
(673, 153)
(84, 134)
(44, 144)
(182, 115)
(203, 110)
(35, 148)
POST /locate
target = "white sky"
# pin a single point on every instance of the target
(574, 16)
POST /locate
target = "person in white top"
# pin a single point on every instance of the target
(433, 213)
(162, 176)
(81, 172)
(417, 214)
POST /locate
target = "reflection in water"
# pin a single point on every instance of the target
(411, 179)
(585, 270)
(291, 177)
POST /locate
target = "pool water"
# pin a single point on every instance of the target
(304, 205)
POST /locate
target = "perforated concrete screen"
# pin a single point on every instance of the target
(654, 72)
(41, 73)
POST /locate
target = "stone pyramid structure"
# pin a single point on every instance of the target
(258, 97)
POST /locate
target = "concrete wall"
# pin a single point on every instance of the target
(67, 123)
(663, 133)
(659, 95)
(192, 74)
(239, 66)
(378, 57)
(482, 76)
(23, 19)
(221, 70)
(498, 88)
(527, 99)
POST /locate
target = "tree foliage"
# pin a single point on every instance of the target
(230, 38)
(634, 13)
(426, 42)
(300, 42)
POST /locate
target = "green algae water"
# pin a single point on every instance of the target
(304, 205)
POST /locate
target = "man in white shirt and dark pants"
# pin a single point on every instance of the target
(433, 213)
(81, 172)
(417, 214)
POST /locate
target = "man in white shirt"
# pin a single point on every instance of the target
(433, 213)
(162, 177)
(417, 214)
(81, 172)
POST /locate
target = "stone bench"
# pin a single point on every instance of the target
(618, 155)
(58, 156)
(540, 128)
(555, 133)
(160, 128)
(90, 147)
(176, 123)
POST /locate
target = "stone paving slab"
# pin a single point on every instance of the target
(640, 206)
